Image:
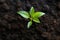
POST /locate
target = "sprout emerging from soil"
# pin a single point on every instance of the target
(32, 15)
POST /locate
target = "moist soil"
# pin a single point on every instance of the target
(13, 26)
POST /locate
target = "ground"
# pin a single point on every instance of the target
(13, 26)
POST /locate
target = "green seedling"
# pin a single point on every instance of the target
(32, 16)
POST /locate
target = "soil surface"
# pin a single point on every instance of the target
(13, 26)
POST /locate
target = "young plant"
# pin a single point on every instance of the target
(32, 15)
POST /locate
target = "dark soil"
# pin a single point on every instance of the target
(13, 26)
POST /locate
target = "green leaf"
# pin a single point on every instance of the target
(29, 24)
(23, 14)
(32, 11)
(38, 14)
(36, 20)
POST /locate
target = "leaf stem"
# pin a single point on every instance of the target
(31, 19)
